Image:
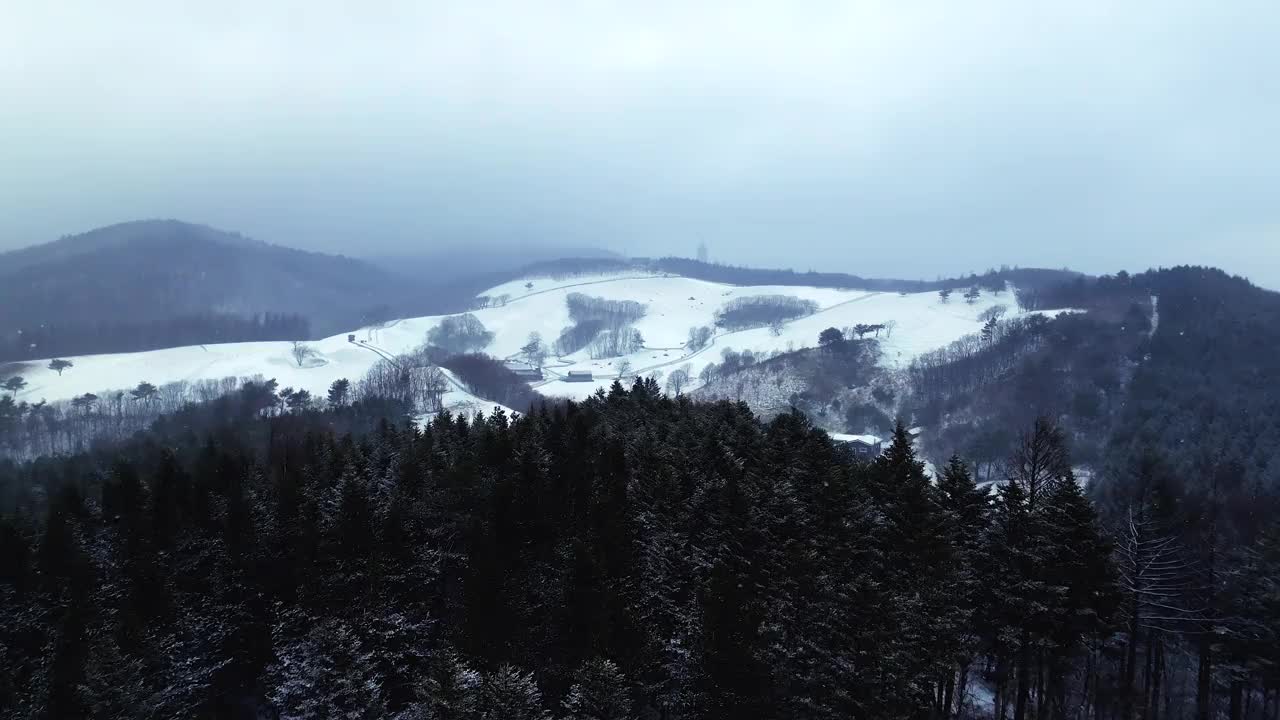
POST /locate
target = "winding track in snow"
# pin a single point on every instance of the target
(711, 343)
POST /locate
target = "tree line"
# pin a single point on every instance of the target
(31, 430)
(53, 339)
(762, 310)
(604, 327)
(634, 555)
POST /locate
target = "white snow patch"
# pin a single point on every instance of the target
(674, 305)
(864, 439)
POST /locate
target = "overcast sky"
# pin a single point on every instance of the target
(892, 138)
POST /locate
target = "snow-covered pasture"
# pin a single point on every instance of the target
(920, 322)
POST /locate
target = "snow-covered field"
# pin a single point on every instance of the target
(674, 305)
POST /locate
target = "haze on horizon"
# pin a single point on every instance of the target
(878, 138)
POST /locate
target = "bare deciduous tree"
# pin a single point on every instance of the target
(534, 351)
(678, 379)
(698, 338)
(1040, 461)
(1155, 579)
(301, 352)
(429, 387)
(995, 311)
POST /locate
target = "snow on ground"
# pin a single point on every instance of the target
(674, 305)
(460, 402)
(980, 700)
(864, 439)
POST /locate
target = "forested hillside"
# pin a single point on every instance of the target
(738, 275)
(631, 556)
(163, 283)
(1182, 360)
(1207, 388)
(150, 284)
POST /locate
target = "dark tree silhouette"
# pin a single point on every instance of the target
(58, 365)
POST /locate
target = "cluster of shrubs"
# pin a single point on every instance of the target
(577, 336)
(489, 378)
(699, 336)
(460, 334)
(602, 325)
(762, 310)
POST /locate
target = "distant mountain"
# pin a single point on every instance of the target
(159, 282)
(446, 265)
(163, 283)
(1178, 362)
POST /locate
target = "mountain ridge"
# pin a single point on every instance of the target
(124, 284)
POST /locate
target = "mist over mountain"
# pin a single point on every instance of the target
(443, 265)
(547, 360)
(159, 283)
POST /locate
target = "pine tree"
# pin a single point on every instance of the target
(14, 385)
(989, 329)
(1249, 626)
(916, 558)
(965, 510)
(66, 574)
(144, 392)
(328, 671)
(599, 692)
(58, 365)
(1010, 571)
(510, 694)
(339, 391)
(450, 690)
(728, 568)
(1266, 615)
(1083, 583)
(170, 500)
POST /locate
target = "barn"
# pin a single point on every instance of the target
(523, 370)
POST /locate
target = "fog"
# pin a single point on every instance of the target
(907, 139)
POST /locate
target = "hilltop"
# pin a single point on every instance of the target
(672, 306)
(161, 283)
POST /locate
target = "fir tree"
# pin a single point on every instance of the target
(326, 672)
(510, 694)
(449, 690)
(965, 511)
(599, 692)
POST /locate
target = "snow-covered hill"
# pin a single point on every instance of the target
(921, 322)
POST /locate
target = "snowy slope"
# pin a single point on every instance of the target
(674, 305)
(460, 402)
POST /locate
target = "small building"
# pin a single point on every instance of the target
(862, 445)
(579, 376)
(351, 338)
(523, 370)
